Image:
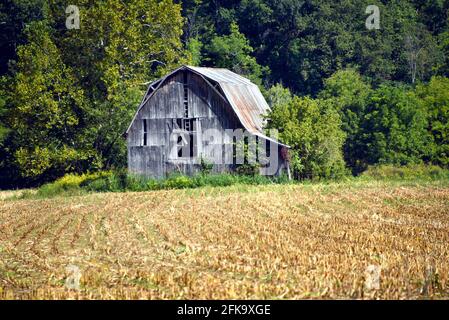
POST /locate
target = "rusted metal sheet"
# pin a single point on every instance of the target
(243, 95)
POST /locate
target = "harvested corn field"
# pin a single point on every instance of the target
(358, 240)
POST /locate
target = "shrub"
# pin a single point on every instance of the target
(248, 169)
(121, 181)
(70, 183)
(178, 182)
(206, 166)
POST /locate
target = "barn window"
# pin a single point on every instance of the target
(145, 132)
(257, 149)
(234, 150)
(180, 144)
(186, 143)
(186, 140)
(268, 148)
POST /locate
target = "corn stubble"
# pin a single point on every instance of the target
(270, 242)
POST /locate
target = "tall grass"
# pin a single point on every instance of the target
(121, 181)
(410, 172)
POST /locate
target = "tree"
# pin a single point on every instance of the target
(312, 128)
(422, 54)
(73, 92)
(443, 43)
(348, 93)
(45, 109)
(435, 98)
(395, 128)
(3, 128)
(14, 15)
(234, 52)
(120, 47)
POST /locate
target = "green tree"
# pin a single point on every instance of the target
(73, 92)
(349, 93)
(234, 52)
(45, 111)
(312, 128)
(395, 127)
(14, 16)
(120, 47)
(443, 41)
(3, 127)
(435, 98)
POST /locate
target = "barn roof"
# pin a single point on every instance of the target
(244, 96)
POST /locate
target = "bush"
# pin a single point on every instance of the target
(248, 170)
(70, 184)
(206, 166)
(178, 182)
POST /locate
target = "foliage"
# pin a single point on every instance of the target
(120, 181)
(312, 128)
(395, 128)
(70, 184)
(304, 42)
(248, 169)
(435, 99)
(3, 128)
(234, 52)
(14, 16)
(67, 96)
(205, 166)
(46, 111)
(194, 47)
(72, 93)
(349, 93)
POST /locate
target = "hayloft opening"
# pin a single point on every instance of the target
(145, 132)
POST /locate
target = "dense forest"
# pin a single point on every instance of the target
(343, 96)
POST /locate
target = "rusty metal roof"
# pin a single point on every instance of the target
(244, 97)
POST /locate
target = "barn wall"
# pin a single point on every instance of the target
(166, 105)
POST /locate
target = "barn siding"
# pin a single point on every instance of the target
(160, 111)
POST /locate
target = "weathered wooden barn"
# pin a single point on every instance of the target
(195, 116)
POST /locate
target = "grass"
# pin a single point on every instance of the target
(75, 185)
(277, 241)
(108, 181)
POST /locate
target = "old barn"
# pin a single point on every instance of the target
(195, 116)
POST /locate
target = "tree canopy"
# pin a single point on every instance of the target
(343, 96)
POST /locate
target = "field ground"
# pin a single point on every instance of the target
(277, 242)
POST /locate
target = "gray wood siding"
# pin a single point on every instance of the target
(157, 158)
